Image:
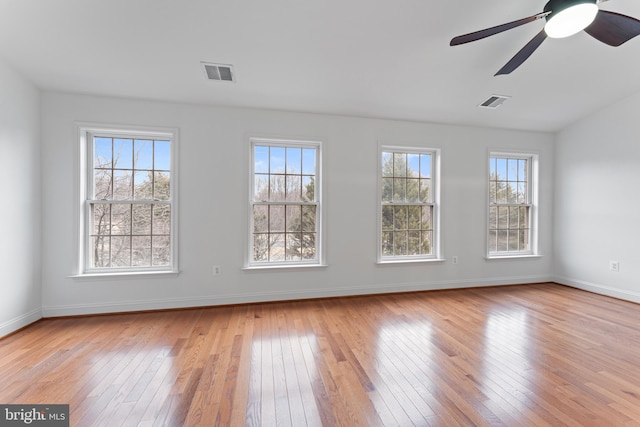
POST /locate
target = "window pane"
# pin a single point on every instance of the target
(425, 190)
(427, 238)
(276, 247)
(522, 193)
(413, 190)
(399, 189)
(501, 169)
(387, 218)
(308, 246)
(387, 164)
(162, 155)
(260, 247)
(276, 188)
(400, 218)
(493, 218)
(261, 188)
(102, 152)
(387, 189)
(425, 165)
(415, 217)
(260, 159)
(276, 159)
(120, 219)
(512, 192)
(294, 191)
(101, 216)
(309, 161)
(514, 217)
(141, 251)
(513, 241)
(308, 218)
(141, 220)
(294, 218)
(293, 247)
(413, 165)
(120, 251)
(276, 219)
(400, 243)
(387, 243)
(100, 246)
(400, 165)
(260, 218)
(427, 215)
(122, 181)
(160, 251)
(161, 220)
(143, 154)
(503, 243)
(503, 217)
(414, 243)
(161, 186)
(142, 185)
(493, 241)
(102, 189)
(294, 160)
(122, 153)
(308, 189)
(512, 169)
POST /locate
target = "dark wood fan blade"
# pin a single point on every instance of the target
(613, 28)
(477, 35)
(523, 54)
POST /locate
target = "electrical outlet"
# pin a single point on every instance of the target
(614, 266)
(454, 259)
(216, 270)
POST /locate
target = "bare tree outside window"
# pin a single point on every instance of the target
(129, 202)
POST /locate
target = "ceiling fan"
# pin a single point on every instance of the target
(564, 18)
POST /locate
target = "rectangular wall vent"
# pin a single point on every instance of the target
(220, 72)
(494, 101)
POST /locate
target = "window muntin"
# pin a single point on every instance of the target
(510, 204)
(129, 202)
(285, 203)
(408, 204)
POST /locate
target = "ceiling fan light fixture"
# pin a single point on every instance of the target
(569, 17)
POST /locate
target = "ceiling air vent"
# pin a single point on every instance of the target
(221, 72)
(494, 101)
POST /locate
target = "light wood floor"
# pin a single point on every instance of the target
(528, 355)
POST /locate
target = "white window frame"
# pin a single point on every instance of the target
(436, 252)
(319, 260)
(86, 132)
(531, 202)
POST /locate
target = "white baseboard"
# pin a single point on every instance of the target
(599, 289)
(213, 300)
(20, 322)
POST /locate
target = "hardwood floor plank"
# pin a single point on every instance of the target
(539, 354)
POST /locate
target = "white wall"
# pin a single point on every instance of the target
(597, 202)
(20, 281)
(213, 213)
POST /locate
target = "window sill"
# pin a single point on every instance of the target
(410, 261)
(283, 267)
(505, 257)
(124, 275)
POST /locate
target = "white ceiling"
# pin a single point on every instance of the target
(371, 58)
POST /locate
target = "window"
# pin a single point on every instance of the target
(511, 204)
(129, 201)
(285, 203)
(408, 204)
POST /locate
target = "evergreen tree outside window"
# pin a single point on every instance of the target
(285, 203)
(408, 204)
